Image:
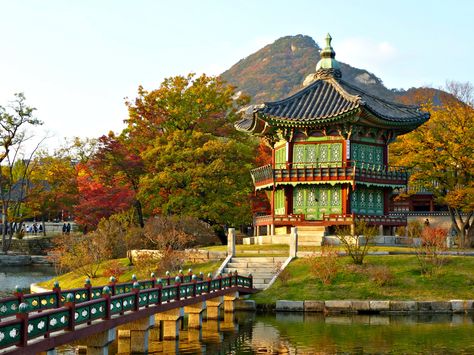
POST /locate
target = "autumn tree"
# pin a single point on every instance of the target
(98, 199)
(15, 119)
(52, 186)
(441, 156)
(116, 160)
(196, 162)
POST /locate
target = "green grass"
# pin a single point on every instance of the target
(454, 280)
(73, 280)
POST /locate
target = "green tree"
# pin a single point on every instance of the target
(441, 155)
(196, 163)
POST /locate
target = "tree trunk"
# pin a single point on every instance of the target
(462, 225)
(44, 224)
(138, 208)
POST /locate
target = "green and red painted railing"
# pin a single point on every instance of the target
(64, 309)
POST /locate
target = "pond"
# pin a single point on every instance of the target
(298, 333)
(23, 276)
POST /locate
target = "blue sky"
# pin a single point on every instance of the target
(76, 61)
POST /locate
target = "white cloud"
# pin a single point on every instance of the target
(365, 53)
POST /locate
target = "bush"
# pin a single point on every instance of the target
(114, 268)
(414, 229)
(429, 252)
(178, 233)
(357, 244)
(158, 262)
(324, 267)
(380, 275)
(80, 253)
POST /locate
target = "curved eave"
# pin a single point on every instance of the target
(374, 118)
(320, 121)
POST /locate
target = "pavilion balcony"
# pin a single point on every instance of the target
(331, 219)
(349, 171)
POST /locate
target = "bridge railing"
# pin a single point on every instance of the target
(53, 299)
(28, 326)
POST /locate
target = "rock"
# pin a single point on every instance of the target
(458, 306)
(403, 306)
(424, 306)
(245, 305)
(379, 306)
(361, 306)
(314, 306)
(15, 260)
(338, 306)
(291, 306)
(441, 306)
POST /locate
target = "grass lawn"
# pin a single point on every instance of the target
(455, 280)
(72, 280)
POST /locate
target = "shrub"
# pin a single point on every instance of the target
(158, 262)
(357, 244)
(414, 229)
(429, 252)
(178, 232)
(380, 275)
(114, 268)
(325, 266)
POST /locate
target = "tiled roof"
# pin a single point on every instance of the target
(329, 98)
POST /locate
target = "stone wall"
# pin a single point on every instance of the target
(31, 245)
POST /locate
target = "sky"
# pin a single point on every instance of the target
(77, 61)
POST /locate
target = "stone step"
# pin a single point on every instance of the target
(266, 266)
(259, 286)
(253, 271)
(256, 259)
(261, 281)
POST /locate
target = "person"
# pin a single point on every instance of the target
(68, 228)
(427, 222)
(64, 228)
(40, 228)
(35, 228)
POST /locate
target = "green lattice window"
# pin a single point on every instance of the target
(311, 154)
(366, 153)
(279, 202)
(367, 201)
(280, 158)
(314, 201)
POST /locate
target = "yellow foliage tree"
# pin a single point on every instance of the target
(441, 155)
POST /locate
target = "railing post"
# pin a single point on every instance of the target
(177, 283)
(88, 287)
(181, 276)
(136, 294)
(23, 316)
(209, 279)
(71, 306)
(153, 280)
(19, 294)
(106, 296)
(57, 291)
(190, 274)
(251, 280)
(160, 288)
(112, 282)
(220, 281)
(194, 280)
(168, 278)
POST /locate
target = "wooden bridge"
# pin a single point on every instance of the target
(92, 316)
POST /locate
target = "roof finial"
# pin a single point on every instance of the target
(328, 55)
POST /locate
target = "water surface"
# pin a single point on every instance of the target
(23, 276)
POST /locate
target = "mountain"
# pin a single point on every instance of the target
(279, 70)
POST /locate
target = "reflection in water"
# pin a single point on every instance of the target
(23, 276)
(311, 333)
